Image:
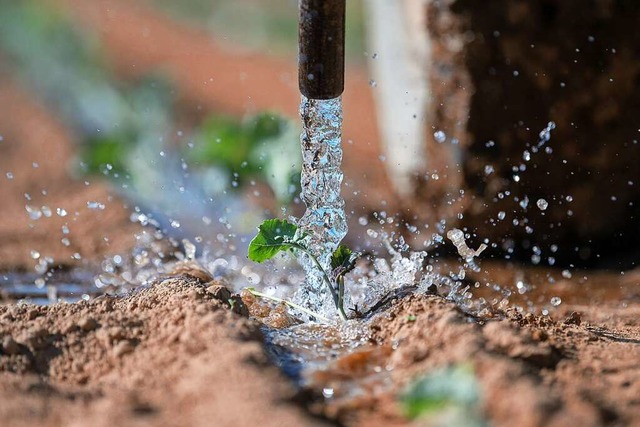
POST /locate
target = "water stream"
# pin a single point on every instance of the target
(324, 219)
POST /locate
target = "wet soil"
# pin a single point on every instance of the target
(172, 354)
(176, 353)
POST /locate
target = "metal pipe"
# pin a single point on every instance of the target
(321, 48)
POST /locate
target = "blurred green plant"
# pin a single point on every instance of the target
(445, 397)
(123, 127)
(263, 146)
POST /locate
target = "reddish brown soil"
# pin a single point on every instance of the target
(175, 354)
(169, 355)
(580, 369)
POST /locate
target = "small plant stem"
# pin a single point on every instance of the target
(341, 296)
(325, 276)
(290, 304)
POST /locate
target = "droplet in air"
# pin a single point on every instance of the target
(95, 205)
(440, 136)
(542, 204)
(556, 301)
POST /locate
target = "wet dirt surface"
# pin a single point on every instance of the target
(172, 354)
(533, 371)
(176, 354)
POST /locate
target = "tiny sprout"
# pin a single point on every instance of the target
(276, 235)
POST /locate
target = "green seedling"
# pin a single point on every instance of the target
(448, 396)
(276, 235)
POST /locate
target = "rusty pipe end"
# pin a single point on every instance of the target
(321, 28)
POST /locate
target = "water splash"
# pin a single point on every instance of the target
(324, 219)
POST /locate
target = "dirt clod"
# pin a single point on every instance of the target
(10, 346)
(87, 324)
(122, 348)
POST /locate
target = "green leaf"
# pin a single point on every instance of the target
(343, 260)
(274, 236)
(451, 387)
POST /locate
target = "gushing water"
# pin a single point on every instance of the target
(324, 219)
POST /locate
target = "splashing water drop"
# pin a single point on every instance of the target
(189, 249)
(440, 136)
(556, 301)
(542, 204)
(95, 205)
(457, 238)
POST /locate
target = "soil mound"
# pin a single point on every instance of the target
(173, 354)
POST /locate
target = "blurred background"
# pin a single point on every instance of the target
(516, 122)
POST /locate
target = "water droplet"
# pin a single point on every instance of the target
(34, 213)
(556, 301)
(566, 274)
(502, 215)
(440, 136)
(189, 249)
(61, 212)
(95, 205)
(35, 254)
(542, 204)
(373, 83)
